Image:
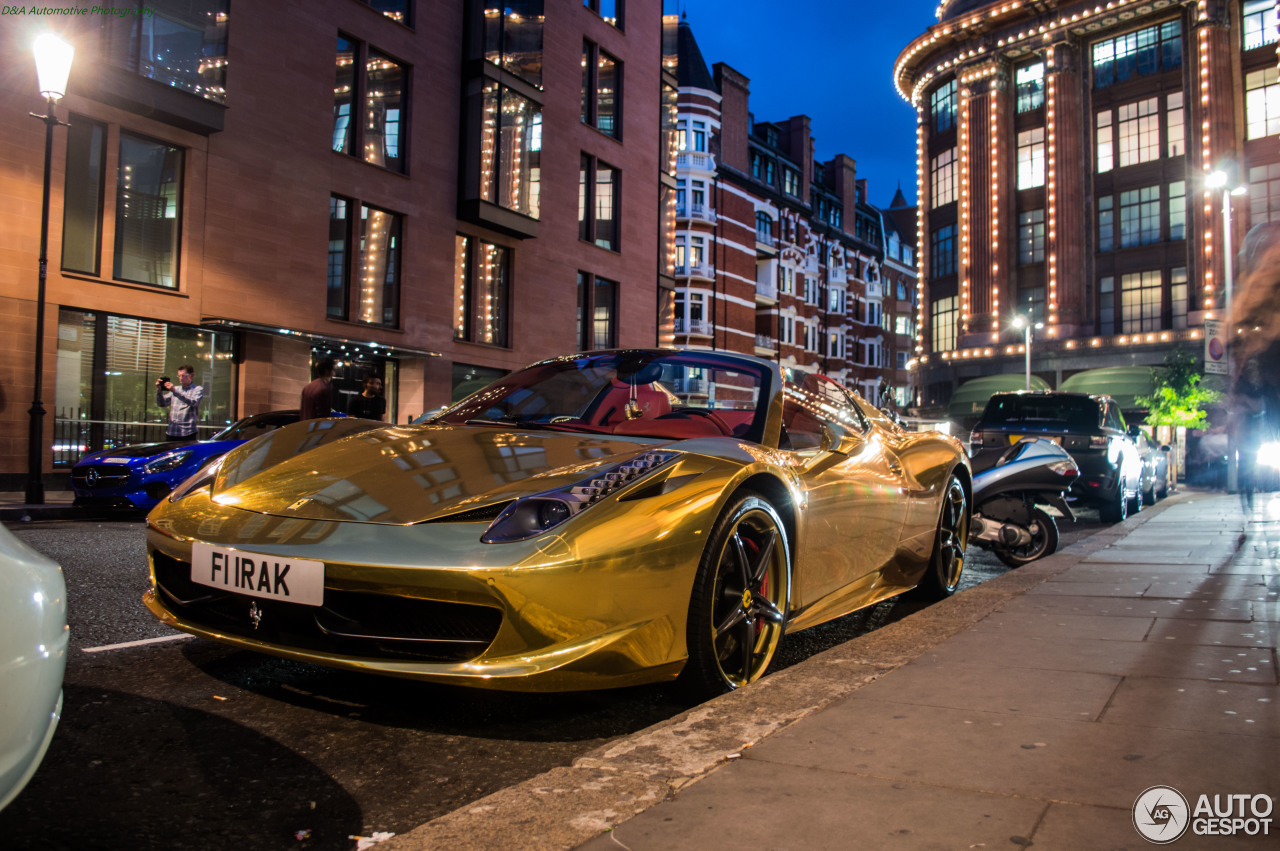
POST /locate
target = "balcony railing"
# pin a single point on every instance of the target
(696, 270)
(695, 327)
(767, 289)
(763, 341)
(696, 159)
(698, 211)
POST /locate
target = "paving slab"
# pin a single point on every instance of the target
(1076, 827)
(1013, 627)
(1126, 588)
(1049, 758)
(1214, 633)
(1239, 708)
(1116, 658)
(1136, 608)
(749, 809)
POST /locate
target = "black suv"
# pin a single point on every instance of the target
(1089, 427)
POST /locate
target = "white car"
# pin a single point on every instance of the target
(33, 656)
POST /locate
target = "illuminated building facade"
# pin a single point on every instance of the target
(1063, 162)
(435, 193)
(777, 254)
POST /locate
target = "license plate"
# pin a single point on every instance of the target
(292, 580)
(1014, 438)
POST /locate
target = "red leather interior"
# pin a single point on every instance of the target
(611, 409)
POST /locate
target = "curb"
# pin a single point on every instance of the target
(567, 806)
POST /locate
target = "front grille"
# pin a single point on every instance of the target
(92, 476)
(367, 625)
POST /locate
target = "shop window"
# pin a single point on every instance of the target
(482, 286)
(369, 102)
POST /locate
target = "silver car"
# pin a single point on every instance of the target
(33, 656)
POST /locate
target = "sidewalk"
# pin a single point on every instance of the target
(56, 506)
(1033, 709)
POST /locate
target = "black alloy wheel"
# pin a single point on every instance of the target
(1116, 508)
(942, 576)
(738, 610)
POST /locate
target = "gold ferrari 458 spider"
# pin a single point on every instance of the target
(595, 520)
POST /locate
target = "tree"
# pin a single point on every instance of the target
(1177, 399)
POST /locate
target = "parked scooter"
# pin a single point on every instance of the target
(1006, 517)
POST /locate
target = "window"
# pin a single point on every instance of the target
(1029, 80)
(1176, 144)
(943, 242)
(1031, 236)
(1031, 158)
(692, 135)
(1145, 51)
(691, 253)
(1031, 301)
(82, 195)
(810, 289)
(791, 181)
(598, 206)
(377, 83)
(873, 313)
(764, 228)
(1140, 216)
(513, 37)
(1259, 23)
(943, 106)
(691, 312)
(904, 324)
(1178, 297)
(481, 290)
(1105, 144)
(396, 10)
(1264, 194)
(762, 167)
(376, 273)
(787, 329)
(943, 174)
(511, 151)
(148, 210)
(670, 129)
(1178, 210)
(610, 10)
(1262, 102)
(1139, 132)
(597, 312)
(1140, 295)
(1106, 305)
(183, 45)
(601, 90)
(944, 313)
(1106, 223)
(786, 280)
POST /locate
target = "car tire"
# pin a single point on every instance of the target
(1044, 541)
(942, 576)
(738, 609)
(1149, 498)
(1164, 491)
(1116, 509)
(1135, 504)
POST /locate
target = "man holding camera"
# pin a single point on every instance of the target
(183, 401)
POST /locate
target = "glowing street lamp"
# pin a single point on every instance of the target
(1024, 323)
(53, 66)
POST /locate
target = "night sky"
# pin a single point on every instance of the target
(831, 60)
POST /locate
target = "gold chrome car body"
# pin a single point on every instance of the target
(396, 515)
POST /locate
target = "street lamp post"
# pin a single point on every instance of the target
(1020, 321)
(53, 66)
(1221, 180)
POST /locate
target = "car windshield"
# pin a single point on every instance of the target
(1071, 413)
(673, 395)
(250, 427)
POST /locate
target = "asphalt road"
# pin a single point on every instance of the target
(184, 743)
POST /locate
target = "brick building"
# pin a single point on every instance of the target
(1064, 161)
(435, 193)
(778, 254)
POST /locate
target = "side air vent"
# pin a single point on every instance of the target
(475, 515)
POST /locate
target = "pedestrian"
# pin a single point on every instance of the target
(369, 403)
(183, 401)
(317, 397)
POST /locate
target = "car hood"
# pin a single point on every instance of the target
(143, 451)
(411, 474)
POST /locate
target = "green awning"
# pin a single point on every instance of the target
(971, 397)
(1122, 383)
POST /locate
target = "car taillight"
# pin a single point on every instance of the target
(1064, 468)
(1097, 441)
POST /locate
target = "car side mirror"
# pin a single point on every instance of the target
(1134, 431)
(1166, 448)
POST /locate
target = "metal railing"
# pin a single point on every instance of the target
(75, 436)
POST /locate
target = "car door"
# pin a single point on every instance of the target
(851, 515)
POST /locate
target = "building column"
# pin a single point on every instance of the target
(1211, 108)
(1068, 178)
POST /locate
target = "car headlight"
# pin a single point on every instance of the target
(165, 463)
(1269, 454)
(202, 478)
(531, 516)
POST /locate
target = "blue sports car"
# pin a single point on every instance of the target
(135, 478)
